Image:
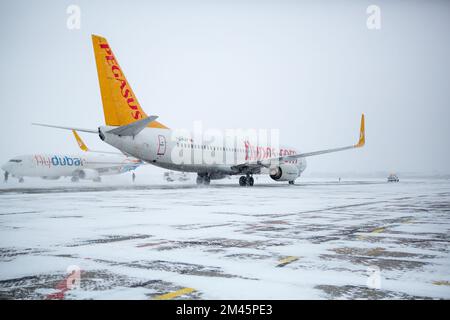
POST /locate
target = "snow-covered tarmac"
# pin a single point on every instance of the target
(318, 239)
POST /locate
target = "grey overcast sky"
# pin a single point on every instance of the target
(309, 68)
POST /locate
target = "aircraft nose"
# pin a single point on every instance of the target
(5, 167)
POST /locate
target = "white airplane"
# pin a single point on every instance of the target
(80, 166)
(129, 129)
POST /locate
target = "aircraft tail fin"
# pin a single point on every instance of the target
(80, 142)
(120, 104)
(84, 147)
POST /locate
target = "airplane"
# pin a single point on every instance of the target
(52, 166)
(129, 129)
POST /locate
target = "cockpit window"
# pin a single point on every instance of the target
(15, 160)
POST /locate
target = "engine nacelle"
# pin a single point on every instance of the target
(50, 178)
(216, 176)
(88, 174)
(284, 172)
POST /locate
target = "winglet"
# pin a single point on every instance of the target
(362, 134)
(80, 142)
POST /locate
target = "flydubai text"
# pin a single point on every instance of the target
(58, 161)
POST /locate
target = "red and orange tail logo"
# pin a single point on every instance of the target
(120, 105)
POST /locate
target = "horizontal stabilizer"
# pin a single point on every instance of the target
(66, 128)
(133, 128)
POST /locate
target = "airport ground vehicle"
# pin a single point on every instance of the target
(393, 178)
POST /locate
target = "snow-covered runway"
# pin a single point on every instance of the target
(317, 239)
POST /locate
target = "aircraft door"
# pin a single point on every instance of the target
(161, 145)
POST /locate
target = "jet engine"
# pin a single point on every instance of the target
(50, 178)
(88, 174)
(284, 172)
(216, 176)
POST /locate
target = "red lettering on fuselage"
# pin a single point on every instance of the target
(42, 161)
(262, 153)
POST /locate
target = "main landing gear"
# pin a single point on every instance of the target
(246, 181)
(203, 179)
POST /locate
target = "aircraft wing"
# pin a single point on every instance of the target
(250, 167)
(253, 167)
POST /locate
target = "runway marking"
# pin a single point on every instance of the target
(375, 251)
(150, 244)
(378, 230)
(174, 294)
(441, 283)
(381, 230)
(286, 261)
